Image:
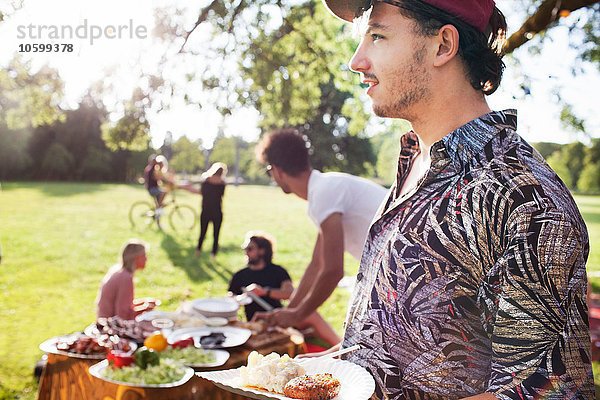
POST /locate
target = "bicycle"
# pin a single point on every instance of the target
(181, 217)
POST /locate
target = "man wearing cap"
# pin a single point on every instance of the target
(472, 283)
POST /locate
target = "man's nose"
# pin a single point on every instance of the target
(359, 62)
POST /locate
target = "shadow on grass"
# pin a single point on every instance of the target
(201, 268)
(56, 189)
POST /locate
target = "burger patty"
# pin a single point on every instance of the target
(313, 387)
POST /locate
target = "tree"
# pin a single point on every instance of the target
(97, 165)
(545, 15)
(58, 162)
(589, 179)
(299, 77)
(188, 156)
(29, 99)
(14, 158)
(131, 133)
(568, 163)
(546, 149)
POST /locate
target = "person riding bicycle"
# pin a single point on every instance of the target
(154, 178)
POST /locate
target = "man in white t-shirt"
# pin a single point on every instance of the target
(341, 205)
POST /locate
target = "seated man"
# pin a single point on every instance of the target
(270, 282)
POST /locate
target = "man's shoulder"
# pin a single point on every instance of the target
(340, 183)
(242, 272)
(276, 267)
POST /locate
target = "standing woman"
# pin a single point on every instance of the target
(212, 189)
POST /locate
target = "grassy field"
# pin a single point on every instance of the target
(58, 240)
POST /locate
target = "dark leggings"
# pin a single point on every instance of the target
(216, 219)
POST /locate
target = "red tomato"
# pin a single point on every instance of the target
(118, 359)
(180, 344)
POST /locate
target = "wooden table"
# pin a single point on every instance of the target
(67, 378)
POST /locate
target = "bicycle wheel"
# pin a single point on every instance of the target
(141, 215)
(182, 218)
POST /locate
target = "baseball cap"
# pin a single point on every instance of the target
(476, 13)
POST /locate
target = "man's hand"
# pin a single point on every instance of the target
(283, 317)
(256, 289)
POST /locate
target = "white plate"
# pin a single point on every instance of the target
(49, 346)
(221, 357)
(233, 336)
(155, 314)
(97, 369)
(217, 307)
(356, 382)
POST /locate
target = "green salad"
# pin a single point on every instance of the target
(168, 371)
(190, 355)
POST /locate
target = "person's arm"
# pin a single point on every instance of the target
(332, 270)
(310, 274)
(284, 292)
(281, 293)
(535, 308)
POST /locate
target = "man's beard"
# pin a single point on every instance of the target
(412, 90)
(254, 261)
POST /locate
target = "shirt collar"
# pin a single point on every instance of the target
(461, 144)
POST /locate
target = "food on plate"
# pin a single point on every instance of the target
(136, 331)
(119, 360)
(167, 371)
(255, 326)
(190, 355)
(92, 346)
(270, 372)
(187, 321)
(214, 339)
(145, 357)
(156, 342)
(313, 387)
(183, 343)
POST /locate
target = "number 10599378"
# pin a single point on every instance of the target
(45, 48)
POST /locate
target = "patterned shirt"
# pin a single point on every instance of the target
(475, 280)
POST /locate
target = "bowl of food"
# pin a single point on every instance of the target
(145, 368)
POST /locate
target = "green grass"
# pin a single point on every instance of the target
(58, 240)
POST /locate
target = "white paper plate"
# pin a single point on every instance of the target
(97, 369)
(356, 382)
(155, 314)
(49, 346)
(233, 336)
(217, 307)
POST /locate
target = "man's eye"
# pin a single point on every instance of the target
(376, 36)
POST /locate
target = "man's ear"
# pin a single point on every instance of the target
(447, 41)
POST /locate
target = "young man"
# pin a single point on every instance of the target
(472, 282)
(342, 206)
(272, 283)
(269, 281)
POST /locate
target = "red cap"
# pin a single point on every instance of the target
(476, 13)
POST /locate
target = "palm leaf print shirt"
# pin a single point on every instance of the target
(475, 280)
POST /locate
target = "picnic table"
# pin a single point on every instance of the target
(66, 378)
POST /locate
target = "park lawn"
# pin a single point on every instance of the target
(58, 240)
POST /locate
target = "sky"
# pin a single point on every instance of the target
(132, 53)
